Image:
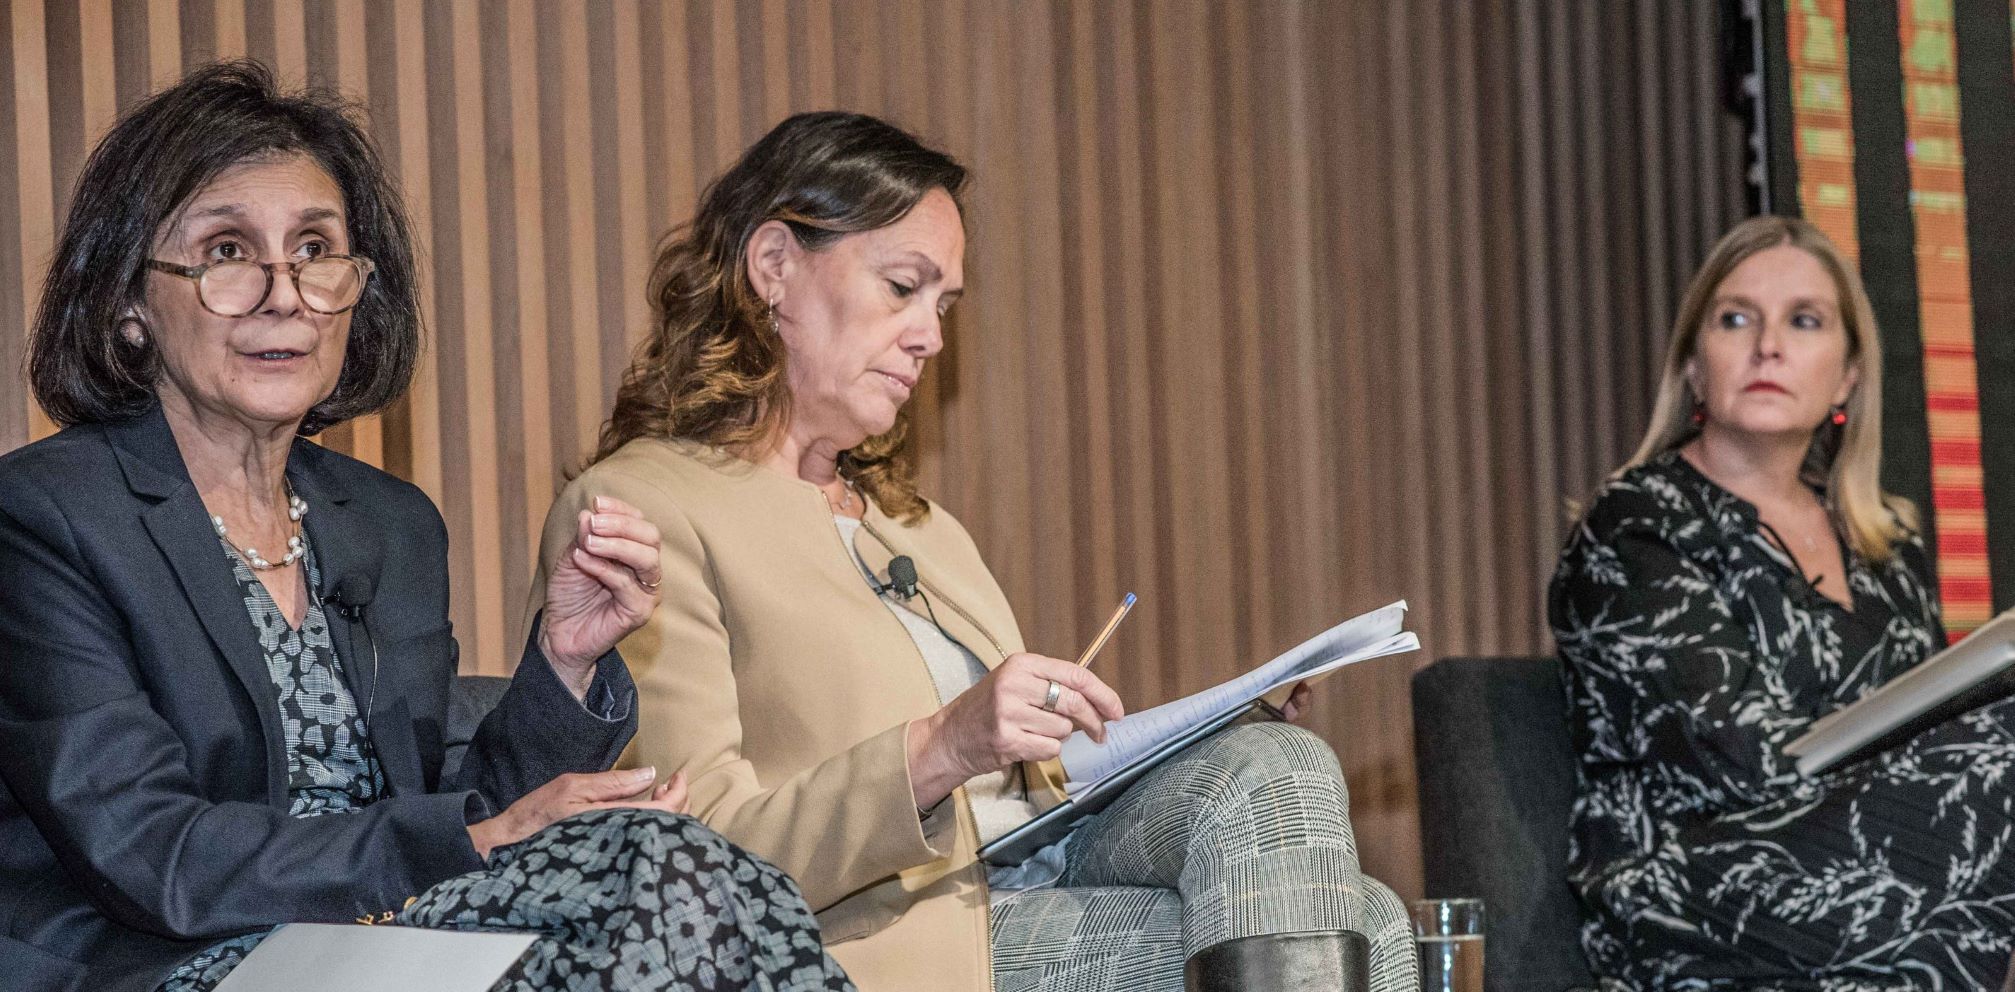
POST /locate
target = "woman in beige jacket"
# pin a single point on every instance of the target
(867, 741)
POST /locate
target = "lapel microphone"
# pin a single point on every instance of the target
(352, 593)
(904, 583)
(902, 576)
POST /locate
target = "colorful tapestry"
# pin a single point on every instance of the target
(1901, 121)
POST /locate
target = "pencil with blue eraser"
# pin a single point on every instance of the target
(1084, 660)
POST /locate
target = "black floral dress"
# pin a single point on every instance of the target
(624, 899)
(1694, 651)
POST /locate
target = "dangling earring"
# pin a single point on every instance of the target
(1840, 415)
(134, 331)
(1699, 412)
(774, 330)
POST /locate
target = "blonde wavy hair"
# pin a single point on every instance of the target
(712, 370)
(1843, 462)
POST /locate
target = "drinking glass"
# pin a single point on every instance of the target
(1450, 933)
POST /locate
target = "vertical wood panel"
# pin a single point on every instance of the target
(1250, 581)
(1278, 310)
(289, 42)
(631, 225)
(164, 45)
(1481, 594)
(83, 96)
(403, 124)
(774, 23)
(674, 180)
(231, 39)
(335, 40)
(468, 360)
(14, 404)
(1080, 182)
(520, 293)
(1043, 322)
(723, 79)
(817, 19)
(33, 193)
(225, 33)
(1306, 455)
(1128, 286)
(583, 248)
(1508, 370)
(1591, 231)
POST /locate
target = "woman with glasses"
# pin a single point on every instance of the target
(227, 655)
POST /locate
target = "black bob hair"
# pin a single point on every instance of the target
(156, 158)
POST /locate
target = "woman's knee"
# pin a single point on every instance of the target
(1262, 752)
(1272, 773)
(649, 837)
(657, 846)
(651, 829)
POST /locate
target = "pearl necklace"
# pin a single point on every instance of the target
(296, 509)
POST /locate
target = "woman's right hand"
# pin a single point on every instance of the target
(577, 793)
(1001, 721)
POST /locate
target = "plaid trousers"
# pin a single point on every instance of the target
(1244, 833)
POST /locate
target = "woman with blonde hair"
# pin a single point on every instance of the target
(1741, 577)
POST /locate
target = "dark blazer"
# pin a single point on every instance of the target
(143, 815)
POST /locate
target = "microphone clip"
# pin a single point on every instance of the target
(349, 598)
(902, 578)
(903, 582)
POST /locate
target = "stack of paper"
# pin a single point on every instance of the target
(1967, 675)
(1373, 635)
(1100, 772)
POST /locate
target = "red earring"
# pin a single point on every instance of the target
(1840, 416)
(1699, 413)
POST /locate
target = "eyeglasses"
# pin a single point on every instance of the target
(236, 287)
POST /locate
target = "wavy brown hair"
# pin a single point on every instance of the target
(711, 370)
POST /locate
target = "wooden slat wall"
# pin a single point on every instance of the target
(1278, 311)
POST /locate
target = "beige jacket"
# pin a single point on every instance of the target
(782, 684)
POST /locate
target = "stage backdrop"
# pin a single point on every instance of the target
(1892, 126)
(1278, 312)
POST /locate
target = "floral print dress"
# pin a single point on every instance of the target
(1694, 650)
(624, 899)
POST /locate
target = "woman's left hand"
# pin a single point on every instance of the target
(604, 586)
(1295, 710)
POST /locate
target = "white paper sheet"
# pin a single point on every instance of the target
(1985, 653)
(1372, 635)
(324, 957)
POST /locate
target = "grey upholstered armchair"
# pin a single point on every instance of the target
(1496, 779)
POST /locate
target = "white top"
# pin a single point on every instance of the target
(999, 799)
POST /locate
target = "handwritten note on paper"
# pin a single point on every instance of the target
(1372, 635)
